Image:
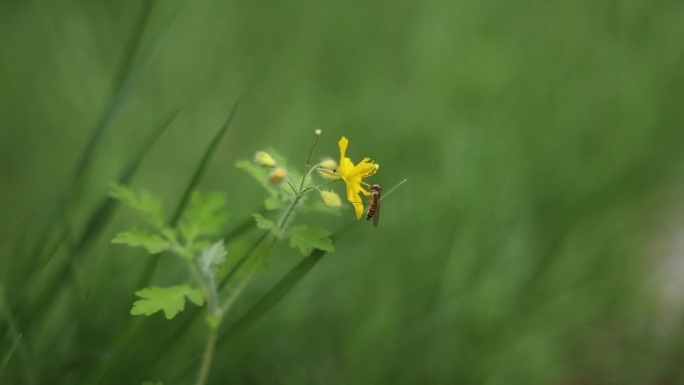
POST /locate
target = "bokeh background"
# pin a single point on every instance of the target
(537, 241)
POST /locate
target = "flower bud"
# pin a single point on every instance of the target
(328, 164)
(328, 169)
(277, 176)
(327, 174)
(331, 199)
(318, 132)
(263, 159)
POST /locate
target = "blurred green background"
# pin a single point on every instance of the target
(536, 242)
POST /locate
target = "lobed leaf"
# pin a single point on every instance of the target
(204, 216)
(170, 300)
(148, 205)
(141, 238)
(267, 224)
(263, 223)
(307, 238)
(272, 203)
(258, 173)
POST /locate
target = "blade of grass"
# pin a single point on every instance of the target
(151, 266)
(201, 168)
(103, 215)
(108, 207)
(242, 260)
(24, 355)
(128, 75)
(8, 355)
(279, 290)
(240, 229)
(276, 293)
(104, 212)
(272, 297)
(95, 224)
(199, 172)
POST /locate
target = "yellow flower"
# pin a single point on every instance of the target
(352, 176)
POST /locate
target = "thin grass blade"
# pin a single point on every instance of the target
(125, 82)
(105, 210)
(201, 168)
(151, 266)
(195, 313)
(274, 295)
(99, 219)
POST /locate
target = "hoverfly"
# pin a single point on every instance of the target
(374, 204)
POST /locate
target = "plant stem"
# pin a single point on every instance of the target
(306, 190)
(288, 213)
(241, 287)
(207, 357)
(213, 334)
(308, 162)
(384, 196)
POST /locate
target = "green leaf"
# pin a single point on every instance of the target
(152, 383)
(141, 238)
(258, 173)
(307, 238)
(267, 224)
(204, 216)
(272, 203)
(263, 223)
(147, 204)
(170, 300)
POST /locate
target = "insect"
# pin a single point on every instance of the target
(374, 204)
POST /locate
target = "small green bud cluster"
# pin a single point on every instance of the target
(278, 174)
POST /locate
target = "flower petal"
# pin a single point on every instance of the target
(343, 144)
(362, 170)
(354, 198)
(346, 165)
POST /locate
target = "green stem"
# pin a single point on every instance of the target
(241, 287)
(238, 290)
(384, 196)
(308, 189)
(308, 162)
(207, 357)
(288, 213)
(301, 186)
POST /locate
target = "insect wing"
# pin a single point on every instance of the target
(376, 216)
